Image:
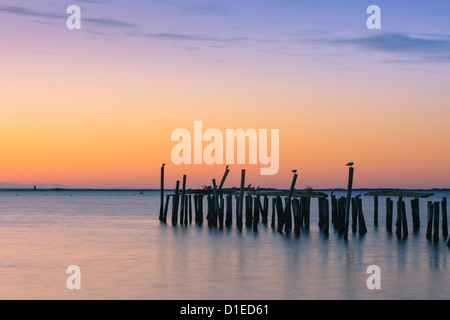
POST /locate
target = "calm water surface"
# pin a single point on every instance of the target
(124, 252)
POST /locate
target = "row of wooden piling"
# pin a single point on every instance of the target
(297, 215)
(291, 210)
(291, 213)
(338, 215)
(433, 214)
(286, 215)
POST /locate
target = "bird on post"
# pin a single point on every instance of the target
(163, 164)
(294, 171)
(350, 164)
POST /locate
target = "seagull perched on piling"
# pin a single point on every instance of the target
(226, 167)
(163, 164)
(294, 171)
(350, 164)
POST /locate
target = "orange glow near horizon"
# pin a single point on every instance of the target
(104, 118)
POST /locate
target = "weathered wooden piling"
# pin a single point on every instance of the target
(217, 208)
(175, 204)
(272, 223)
(326, 218)
(334, 210)
(307, 213)
(214, 213)
(224, 177)
(401, 222)
(436, 205)
(341, 215)
(248, 211)
(255, 219)
(241, 199)
(186, 209)
(302, 212)
(200, 209)
(389, 214)
(286, 216)
(161, 209)
(182, 206)
(430, 214)
(257, 209)
(265, 211)
(229, 211)
(296, 212)
(398, 223)
(375, 210)
(209, 210)
(190, 208)
(404, 220)
(354, 215)
(362, 229)
(415, 213)
(321, 212)
(195, 208)
(349, 198)
(221, 216)
(183, 192)
(444, 217)
(279, 205)
(166, 208)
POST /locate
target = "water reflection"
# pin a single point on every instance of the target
(126, 253)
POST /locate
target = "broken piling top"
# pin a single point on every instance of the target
(255, 192)
(285, 193)
(400, 194)
(206, 191)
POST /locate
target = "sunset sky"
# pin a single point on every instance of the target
(96, 107)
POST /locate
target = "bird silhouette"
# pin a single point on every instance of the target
(249, 185)
(294, 171)
(227, 167)
(163, 164)
(350, 164)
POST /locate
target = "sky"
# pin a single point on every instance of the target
(96, 107)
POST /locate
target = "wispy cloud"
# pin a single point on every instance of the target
(89, 1)
(27, 12)
(107, 22)
(208, 9)
(130, 29)
(398, 42)
(188, 37)
(432, 48)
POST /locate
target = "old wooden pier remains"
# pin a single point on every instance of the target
(290, 210)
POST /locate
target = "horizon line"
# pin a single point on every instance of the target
(171, 189)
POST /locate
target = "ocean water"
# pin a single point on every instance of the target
(124, 252)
